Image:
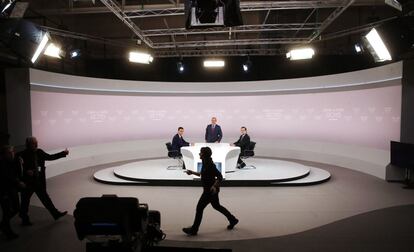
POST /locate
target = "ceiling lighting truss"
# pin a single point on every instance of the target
(117, 10)
(332, 17)
(170, 10)
(236, 29)
(238, 42)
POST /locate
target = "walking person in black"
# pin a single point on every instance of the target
(210, 179)
(34, 177)
(9, 186)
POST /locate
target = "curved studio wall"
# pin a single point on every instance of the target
(357, 109)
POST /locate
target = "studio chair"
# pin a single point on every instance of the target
(174, 154)
(247, 153)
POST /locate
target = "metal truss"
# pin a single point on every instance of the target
(334, 15)
(190, 52)
(222, 43)
(113, 6)
(340, 6)
(170, 10)
(219, 52)
(243, 28)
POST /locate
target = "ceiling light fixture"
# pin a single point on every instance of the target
(75, 53)
(180, 67)
(377, 47)
(140, 57)
(358, 48)
(53, 50)
(300, 54)
(247, 66)
(40, 47)
(214, 63)
(7, 6)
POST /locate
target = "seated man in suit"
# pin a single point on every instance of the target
(178, 142)
(243, 143)
(213, 132)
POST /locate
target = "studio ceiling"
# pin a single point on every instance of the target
(270, 27)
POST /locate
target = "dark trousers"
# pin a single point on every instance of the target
(240, 161)
(42, 195)
(205, 199)
(9, 202)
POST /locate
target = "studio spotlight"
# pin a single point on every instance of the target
(358, 48)
(300, 54)
(377, 47)
(53, 50)
(40, 47)
(214, 63)
(246, 66)
(75, 53)
(395, 4)
(140, 57)
(180, 67)
(6, 6)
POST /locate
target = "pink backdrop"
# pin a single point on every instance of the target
(369, 117)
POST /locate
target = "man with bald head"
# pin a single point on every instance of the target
(213, 132)
(34, 176)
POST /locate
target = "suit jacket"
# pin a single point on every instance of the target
(243, 143)
(9, 176)
(178, 142)
(35, 160)
(213, 135)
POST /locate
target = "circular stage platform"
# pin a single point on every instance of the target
(267, 172)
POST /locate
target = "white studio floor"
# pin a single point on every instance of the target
(266, 172)
(271, 211)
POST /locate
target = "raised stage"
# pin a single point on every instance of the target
(267, 172)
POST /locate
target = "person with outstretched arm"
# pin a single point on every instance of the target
(34, 176)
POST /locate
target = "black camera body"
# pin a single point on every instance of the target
(117, 221)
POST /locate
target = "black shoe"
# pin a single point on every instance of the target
(189, 231)
(242, 165)
(11, 236)
(59, 215)
(27, 223)
(232, 224)
(8, 232)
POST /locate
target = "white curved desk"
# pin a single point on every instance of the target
(222, 153)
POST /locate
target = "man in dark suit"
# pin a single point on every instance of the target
(33, 176)
(243, 143)
(178, 140)
(213, 132)
(9, 185)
